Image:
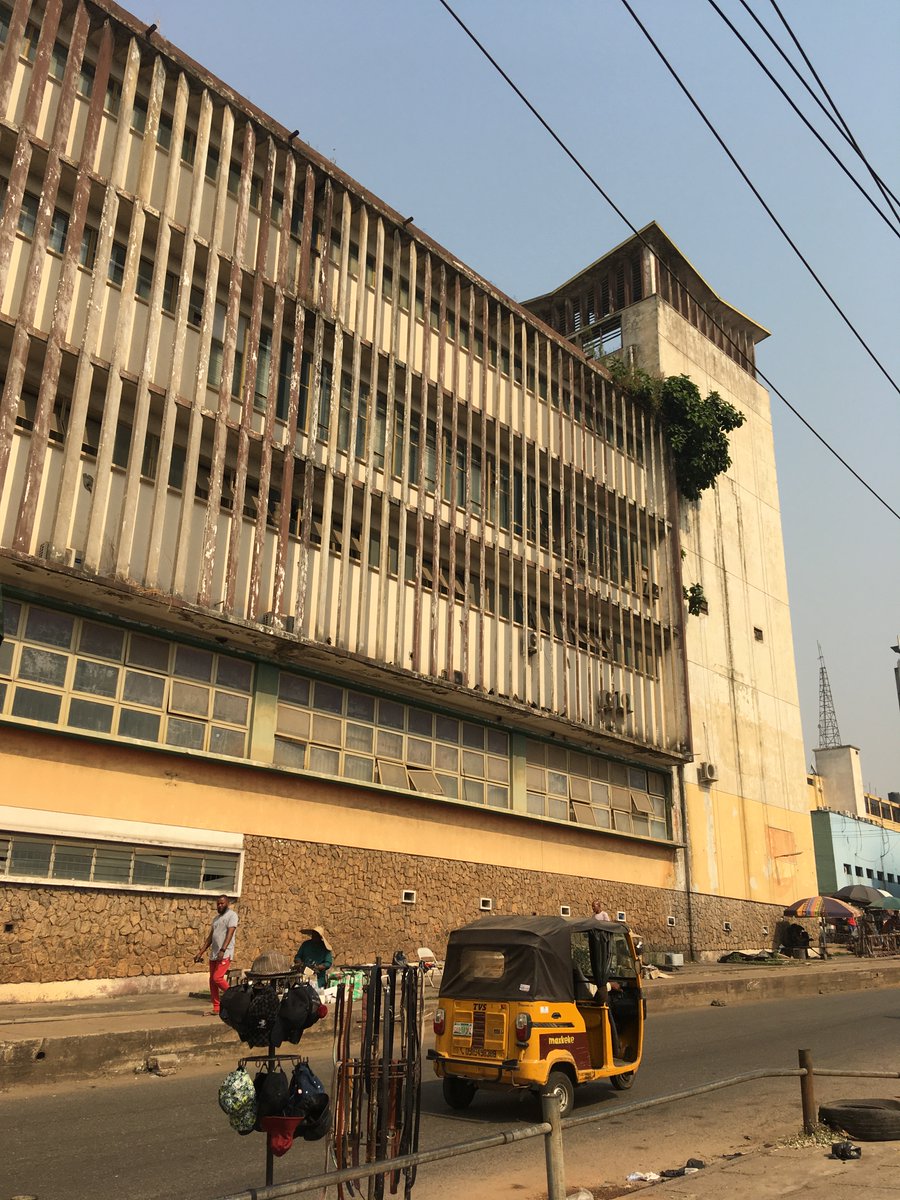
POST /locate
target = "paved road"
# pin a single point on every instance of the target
(145, 1138)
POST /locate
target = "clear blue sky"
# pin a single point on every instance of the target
(399, 98)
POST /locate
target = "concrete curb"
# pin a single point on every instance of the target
(55, 1059)
(779, 983)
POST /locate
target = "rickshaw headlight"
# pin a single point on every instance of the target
(523, 1029)
(439, 1020)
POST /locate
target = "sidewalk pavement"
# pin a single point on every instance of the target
(795, 1172)
(55, 1040)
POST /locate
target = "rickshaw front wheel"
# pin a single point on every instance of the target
(458, 1093)
(624, 1081)
(560, 1084)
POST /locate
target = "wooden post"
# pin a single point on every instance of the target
(807, 1092)
(553, 1149)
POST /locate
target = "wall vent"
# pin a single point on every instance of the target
(486, 904)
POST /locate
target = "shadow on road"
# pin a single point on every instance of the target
(511, 1106)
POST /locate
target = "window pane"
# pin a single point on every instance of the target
(150, 868)
(102, 641)
(420, 722)
(361, 707)
(193, 664)
(425, 781)
(391, 714)
(356, 767)
(43, 666)
(326, 762)
(30, 857)
(72, 862)
(473, 764)
(446, 758)
(219, 872)
(96, 679)
(51, 628)
(446, 729)
(389, 745)
(558, 809)
(359, 737)
(418, 751)
(449, 785)
(230, 708)
(11, 614)
(498, 770)
(473, 791)
(141, 725)
(112, 865)
(328, 698)
(185, 872)
(86, 714)
(498, 741)
(326, 730)
(293, 688)
(189, 699)
(233, 673)
(497, 797)
(226, 741)
(144, 689)
(148, 652)
(393, 775)
(36, 706)
(187, 735)
(473, 736)
(290, 754)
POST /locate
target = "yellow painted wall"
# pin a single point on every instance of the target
(768, 851)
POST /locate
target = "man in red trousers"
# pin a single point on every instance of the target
(220, 943)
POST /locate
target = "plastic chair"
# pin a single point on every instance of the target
(431, 968)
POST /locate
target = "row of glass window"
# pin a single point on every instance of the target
(28, 856)
(61, 670)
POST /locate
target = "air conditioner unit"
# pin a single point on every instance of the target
(707, 772)
(70, 557)
(531, 642)
(672, 959)
(272, 619)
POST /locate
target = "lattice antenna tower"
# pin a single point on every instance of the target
(829, 734)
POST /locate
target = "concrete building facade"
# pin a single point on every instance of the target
(333, 578)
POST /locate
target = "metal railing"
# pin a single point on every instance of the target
(552, 1129)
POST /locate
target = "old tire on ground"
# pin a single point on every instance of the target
(624, 1081)
(458, 1093)
(560, 1084)
(868, 1120)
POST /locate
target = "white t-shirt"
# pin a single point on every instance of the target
(602, 916)
(222, 922)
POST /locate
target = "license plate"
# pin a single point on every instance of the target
(462, 1029)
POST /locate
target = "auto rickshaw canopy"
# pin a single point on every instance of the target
(526, 958)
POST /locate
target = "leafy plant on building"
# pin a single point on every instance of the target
(697, 429)
(696, 599)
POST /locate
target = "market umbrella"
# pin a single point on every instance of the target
(828, 907)
(858, 893)
(890, 903)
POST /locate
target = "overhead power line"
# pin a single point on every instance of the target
(837, 120)
(806, 121)
(622, 216)
(750, 184)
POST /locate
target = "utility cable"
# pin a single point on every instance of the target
(837, 122)
(886, 191)
(809, 125)
(746, 178)
(637, 233)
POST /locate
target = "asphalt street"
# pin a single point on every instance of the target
(148, 1138)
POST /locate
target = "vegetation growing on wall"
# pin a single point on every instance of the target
(696, 599)
(697, 429)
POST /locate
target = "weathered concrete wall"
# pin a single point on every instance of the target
(77, 933)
